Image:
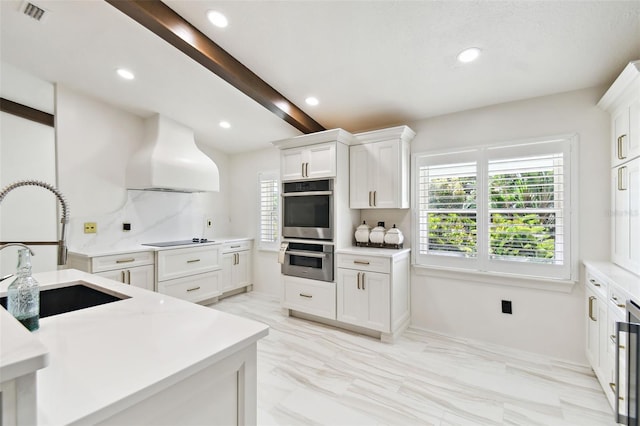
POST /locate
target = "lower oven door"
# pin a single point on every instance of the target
(627, 363)
(314, 262)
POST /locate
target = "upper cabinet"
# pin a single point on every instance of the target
(310, 162)
(379, 169)
(622, 101)
(312, 156)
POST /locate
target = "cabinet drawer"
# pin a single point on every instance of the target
(194, 288)
(236, 246)
(188, 261)
(598, 285)
(617, 301)
(364, 263)
(120, 261)
(312, 297)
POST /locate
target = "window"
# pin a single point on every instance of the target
(269, 206)
(502, 208)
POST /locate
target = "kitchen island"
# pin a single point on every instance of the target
(146, 359)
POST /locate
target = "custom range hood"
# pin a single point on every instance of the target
(169, 160)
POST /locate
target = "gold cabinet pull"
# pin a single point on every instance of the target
(591, 317)
(594, 282)
(361, 262)
(375, 204)
(132, 259)
(358, 279)
(621, 183)
(308, 296)
(122, 277)
(621, 156)
(193, 260)
(193, 288)
(613, 338)
(128, 276)
(363, 280)
(370, 192)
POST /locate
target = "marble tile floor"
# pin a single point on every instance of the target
(312, 374)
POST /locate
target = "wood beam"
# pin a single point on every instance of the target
(24, 111)
(167, 24)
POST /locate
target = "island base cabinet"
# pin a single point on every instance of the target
(140, 276)
(221, 394)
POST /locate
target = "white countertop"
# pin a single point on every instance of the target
(374, 251)
(135, 248)
(623, 279)
(105, 358)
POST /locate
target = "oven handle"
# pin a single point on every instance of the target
(306, 254)
(306, 194)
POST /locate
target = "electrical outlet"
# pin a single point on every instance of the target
(90, 227)
(126, 226)
(506, 307)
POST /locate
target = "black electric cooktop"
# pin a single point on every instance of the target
(178, 243)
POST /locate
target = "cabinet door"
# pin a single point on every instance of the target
(292, 163)
(386, 174)
(226, 282)
(242, 269)
(363, 299)
(359, 177)
(116, 275)
(142, 276)
(625, 222)
(321, 161)
(593, 329)
(626, 134)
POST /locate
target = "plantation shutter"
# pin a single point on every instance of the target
(526, 212)
(269, 196)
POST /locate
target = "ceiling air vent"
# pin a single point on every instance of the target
(33, 11)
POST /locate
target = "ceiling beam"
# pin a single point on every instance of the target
(167, 24)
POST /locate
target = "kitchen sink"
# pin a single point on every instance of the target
(77, 295)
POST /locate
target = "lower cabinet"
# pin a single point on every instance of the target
(236, 266)
(310, 296)
(134, 268)
(189, 273)
(364, 299)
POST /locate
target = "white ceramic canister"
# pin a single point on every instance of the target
(377, 234)
(362, 233)
(394, 236)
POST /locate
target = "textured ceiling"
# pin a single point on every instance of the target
(371, 63)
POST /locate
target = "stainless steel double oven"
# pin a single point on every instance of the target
(307, 228)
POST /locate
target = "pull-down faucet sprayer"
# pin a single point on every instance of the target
(61, 243)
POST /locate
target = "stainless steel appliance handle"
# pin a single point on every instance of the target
(306, 194)
(627, 380)
(306, 254)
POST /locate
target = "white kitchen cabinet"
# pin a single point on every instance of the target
(309, 296)
(363, 299)
(625, 223)
(190, 273)
(309, 162)
(373, 289)
(379, 169)
(236, 265)
(622, 101)
(605, 299)
(134, 268)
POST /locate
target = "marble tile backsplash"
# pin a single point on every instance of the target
(154, 216)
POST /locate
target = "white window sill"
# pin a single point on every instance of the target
(521, 281)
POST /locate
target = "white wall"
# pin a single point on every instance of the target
(542, 321)
(244, 169)
(95, 141)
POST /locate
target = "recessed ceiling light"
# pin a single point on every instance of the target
(225, 124)
(126, 74)
(217, 19)
(312, 101)
(469, 55)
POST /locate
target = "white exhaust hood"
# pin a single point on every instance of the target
(169, 160)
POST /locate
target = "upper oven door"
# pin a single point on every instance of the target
(307, 213)
(627, 363)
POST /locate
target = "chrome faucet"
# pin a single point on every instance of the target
(3, 246)
(61, 243)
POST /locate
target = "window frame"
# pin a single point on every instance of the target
(483, 154)
(273, 175)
